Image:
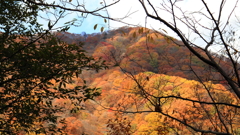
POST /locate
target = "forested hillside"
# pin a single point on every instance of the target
(152, 86)
(181, 77)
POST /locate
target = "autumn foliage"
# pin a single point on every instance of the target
(149, 87)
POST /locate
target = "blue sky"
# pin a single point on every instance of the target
(138, 18)
(87, 23)
(121, 9)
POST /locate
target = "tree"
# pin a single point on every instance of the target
(119, 125)
(35, 69)
(22, 83)
(222, 35)
(153, 125)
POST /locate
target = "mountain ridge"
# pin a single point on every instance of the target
(159, 68)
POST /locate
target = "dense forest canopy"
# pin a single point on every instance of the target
(128, 80)
(132, 84)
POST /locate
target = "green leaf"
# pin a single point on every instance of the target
(95, 26)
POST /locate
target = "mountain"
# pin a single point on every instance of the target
(129, 49)
(143, 66)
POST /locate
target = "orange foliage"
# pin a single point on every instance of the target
(168, 63)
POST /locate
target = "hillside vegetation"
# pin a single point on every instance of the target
(152, 82)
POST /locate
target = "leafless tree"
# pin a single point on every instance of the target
(219, 34)
(222, 34)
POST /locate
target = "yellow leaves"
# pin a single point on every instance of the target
(153, 117)
(208, 85)
(154, 125)
(117, 82)
(138, 117)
